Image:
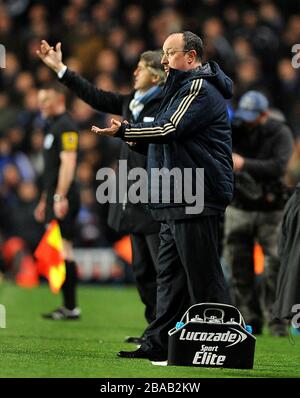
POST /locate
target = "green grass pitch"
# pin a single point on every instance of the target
(33, 347)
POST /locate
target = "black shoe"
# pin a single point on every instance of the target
(63, 313)
(140, 354)
(134, 340)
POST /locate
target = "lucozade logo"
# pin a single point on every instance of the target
(234, 337)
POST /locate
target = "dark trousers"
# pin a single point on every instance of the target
(242, 229)
(189, 272)
(144, 267)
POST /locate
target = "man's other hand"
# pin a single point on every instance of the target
(109, 131)
(61, 208)
(40, 211)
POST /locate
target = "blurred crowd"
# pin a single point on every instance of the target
(102, 40)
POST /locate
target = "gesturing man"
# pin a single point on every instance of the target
(191, 131)
(138, 106)
(60, 198)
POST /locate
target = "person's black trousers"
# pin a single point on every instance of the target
(189, 272)
(144, 267)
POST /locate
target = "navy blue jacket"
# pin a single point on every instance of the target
(191, 130)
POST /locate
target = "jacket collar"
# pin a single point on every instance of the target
(209, 71)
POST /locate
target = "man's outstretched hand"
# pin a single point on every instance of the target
(51, 57)
(110, 131)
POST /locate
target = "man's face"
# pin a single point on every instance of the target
(143, 78)
(47, 102)
(256, 122)
(174, 55)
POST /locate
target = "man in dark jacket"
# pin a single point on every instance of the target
(191, 132)
(262, 147)
(287, 303)
(139, 106)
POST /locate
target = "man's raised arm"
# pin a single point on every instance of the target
(51, 57)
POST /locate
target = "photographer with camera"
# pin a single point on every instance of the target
(262, 147)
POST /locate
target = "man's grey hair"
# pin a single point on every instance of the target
(152, 59)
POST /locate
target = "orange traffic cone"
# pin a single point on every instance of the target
(27, 275)
(258, 255)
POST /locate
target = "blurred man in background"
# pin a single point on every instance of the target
(139, 106)
(262, 148)
(286, 306)
(60, 198)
